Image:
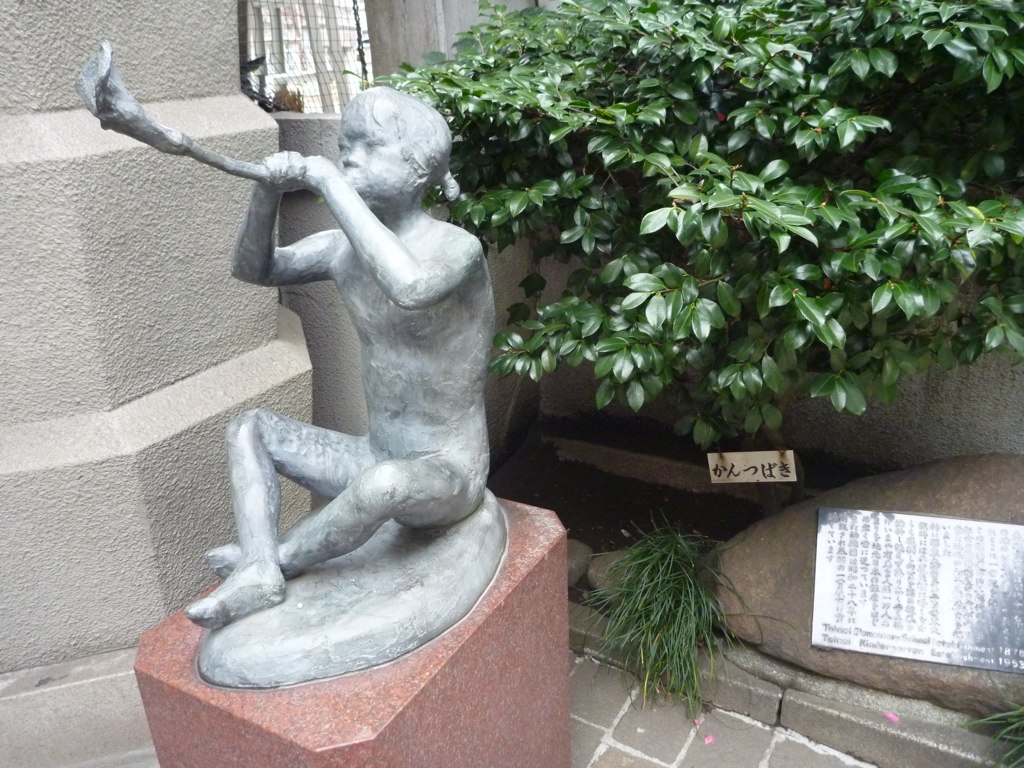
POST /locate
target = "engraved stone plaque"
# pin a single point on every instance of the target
(937, 589)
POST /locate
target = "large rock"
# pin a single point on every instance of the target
(770, 572)
(578, 557)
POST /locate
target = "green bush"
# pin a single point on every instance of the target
(765, 200)
(662, 611)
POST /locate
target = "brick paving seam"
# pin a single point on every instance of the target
(791, 735)
(716, 724)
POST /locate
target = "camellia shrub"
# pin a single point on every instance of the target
(765, 200)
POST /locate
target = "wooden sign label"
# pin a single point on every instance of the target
(752, 467)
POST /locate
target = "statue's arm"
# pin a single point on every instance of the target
(257, 260)
(409, 282)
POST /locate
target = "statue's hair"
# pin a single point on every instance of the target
(425, 138)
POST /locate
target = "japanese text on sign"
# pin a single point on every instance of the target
(936, 589)
(752, 467)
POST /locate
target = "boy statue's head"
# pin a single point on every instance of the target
(417, 129)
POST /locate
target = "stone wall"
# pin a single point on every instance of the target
(126, 345)
(971, 410)
(975, 409)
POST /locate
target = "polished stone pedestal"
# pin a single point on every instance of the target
(492, 691)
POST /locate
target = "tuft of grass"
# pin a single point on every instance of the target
(1009, 734)
(662, 610)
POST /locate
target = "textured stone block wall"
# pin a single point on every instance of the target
(125, 344)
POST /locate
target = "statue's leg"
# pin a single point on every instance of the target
(417, 492)
(321, 460)
(261, 444)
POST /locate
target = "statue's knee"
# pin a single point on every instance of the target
(249, 419)
(383, 482)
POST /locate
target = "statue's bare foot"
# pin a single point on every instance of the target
(248, 589)
(223, 560)
(286, 558)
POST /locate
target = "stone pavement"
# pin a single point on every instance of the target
(792, 710)
(87, 714)
(610, 729)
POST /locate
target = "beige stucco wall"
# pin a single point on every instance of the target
(116, 258)
(125, 345)
(177, 49)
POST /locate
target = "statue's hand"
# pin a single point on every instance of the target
(319, 172)
(286, 172)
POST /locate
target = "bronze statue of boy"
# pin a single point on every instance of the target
(420, 297)
(419, 294)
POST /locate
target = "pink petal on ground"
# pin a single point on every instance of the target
(698, 721)
(892, 717)
(709, 739)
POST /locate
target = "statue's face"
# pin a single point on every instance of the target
(372, 160)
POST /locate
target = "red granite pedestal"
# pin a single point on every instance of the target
(491, 692)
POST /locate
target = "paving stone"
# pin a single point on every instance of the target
(140, 758)
(133, 759)
(786, 676)
(574, 660)
(615, 758)
(585, 741)
(727, 741)
(586, 627)
(599, 692)
(658, 730)
(737, 690)
(868, 735)
(787, 753)
(72, 712)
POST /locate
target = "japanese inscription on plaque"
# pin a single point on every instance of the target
(752, 467)
(935, 589)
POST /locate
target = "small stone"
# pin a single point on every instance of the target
(578, 559)
(597, 573)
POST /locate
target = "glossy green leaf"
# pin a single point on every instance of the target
(881, 297)
(772, 416)
(883, 61)
(656, 310)
(809, 309)
(654, 220)
(860, 63)
(644, 281)
(774, 170)
(605, 394)
(635, 395)
(727, 299)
